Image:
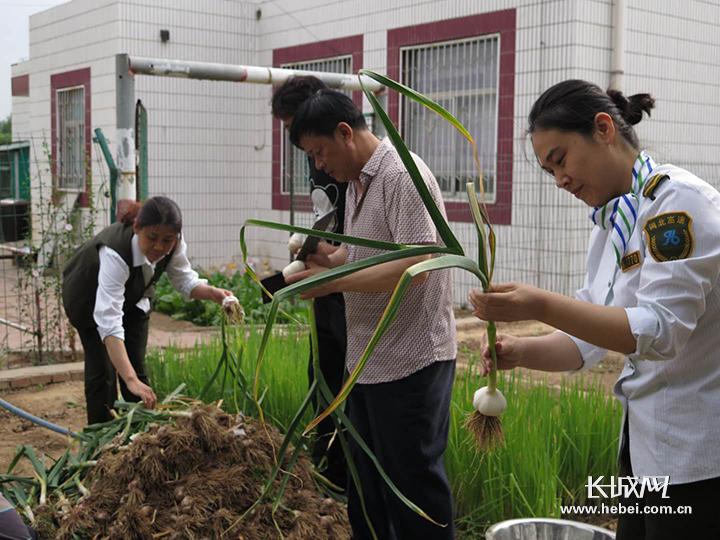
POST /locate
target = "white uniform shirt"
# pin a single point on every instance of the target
(670, 386)
(114, 273)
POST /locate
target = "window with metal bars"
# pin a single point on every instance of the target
(295, 171)
(461, 75)
(70, 165)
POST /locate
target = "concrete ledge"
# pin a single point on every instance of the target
(11, 379)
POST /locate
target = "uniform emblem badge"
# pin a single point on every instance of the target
(669, 236)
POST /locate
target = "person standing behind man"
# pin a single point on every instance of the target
(326, 194)
(401, 404)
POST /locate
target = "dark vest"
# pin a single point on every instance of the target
(80, 275)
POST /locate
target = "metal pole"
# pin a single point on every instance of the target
(102, 141)
(17, 326)
(249, 74)
(125, 100)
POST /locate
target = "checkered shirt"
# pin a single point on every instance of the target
(391, 209)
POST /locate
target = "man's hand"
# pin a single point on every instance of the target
(313, 269)
(325, 255)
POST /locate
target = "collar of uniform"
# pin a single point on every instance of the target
(370, 169)
(139, 257)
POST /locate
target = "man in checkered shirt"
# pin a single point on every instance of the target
(400, 405)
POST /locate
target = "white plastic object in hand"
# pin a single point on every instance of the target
(489, 402)
(296, 242)
(293, 268)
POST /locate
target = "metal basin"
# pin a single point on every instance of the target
(546, 529)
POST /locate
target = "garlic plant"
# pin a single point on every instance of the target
(447, 254)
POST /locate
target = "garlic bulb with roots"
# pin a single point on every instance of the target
(295, 242)
(489, 401)
(293, 268)
(484, 423)
(232, 308)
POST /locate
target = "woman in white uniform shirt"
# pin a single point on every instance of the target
(107, 289)
(651, 292)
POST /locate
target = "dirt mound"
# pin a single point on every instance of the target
(200, 477)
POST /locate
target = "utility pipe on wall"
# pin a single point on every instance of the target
(617, 60)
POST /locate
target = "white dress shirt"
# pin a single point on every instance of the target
(114, 273)
(670, 386)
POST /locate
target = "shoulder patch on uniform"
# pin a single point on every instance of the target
(652, 184)
(669, 236)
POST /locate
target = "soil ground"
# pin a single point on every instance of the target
(64, 403)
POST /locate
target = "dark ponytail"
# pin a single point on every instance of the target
(572, 105)
(157, 210)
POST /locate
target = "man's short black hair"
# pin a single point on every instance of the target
(291, 94)
(322, 112)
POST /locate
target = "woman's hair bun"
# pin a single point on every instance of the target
(632, 108)
(128, 210)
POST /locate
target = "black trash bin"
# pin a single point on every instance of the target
(14, 219)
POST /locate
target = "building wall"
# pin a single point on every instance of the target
(205, 142)
(73, 36)
(211, 143)
(672, 52)
(202, 135)
(550, 46)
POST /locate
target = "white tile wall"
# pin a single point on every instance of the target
(211, 142)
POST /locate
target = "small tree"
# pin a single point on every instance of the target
(6, 130)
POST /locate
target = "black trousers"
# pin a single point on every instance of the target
(332, 345)
(702, 497)
(100, 377)
(405, 423)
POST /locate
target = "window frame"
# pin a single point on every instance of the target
(67, 81)
(502, 23)
(447, 95)
(59, 141)
(317, 51)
